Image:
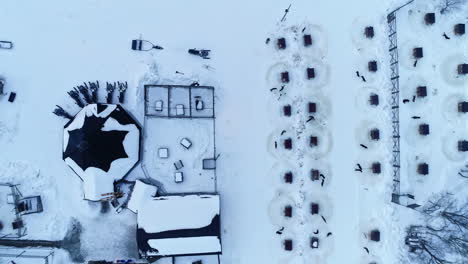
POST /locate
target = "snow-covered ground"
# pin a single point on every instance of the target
(437, 71)
(59, 45)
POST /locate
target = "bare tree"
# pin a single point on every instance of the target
(122, 88)
(75, 95)
(84, 90)
(110, 87)
(445, 209)
(59, 111)
(444, 237)
(94, 87)
(447, 6)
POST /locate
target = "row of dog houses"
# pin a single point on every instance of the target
(288, 210)
(288, 244)
(311, 109)
(430, 19)
(310, 74)
(306, 38)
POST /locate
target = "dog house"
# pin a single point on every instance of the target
(312, 107)
(287, 143)
(287, 110)
(423, 129)
(288, 244)
(314, 242)
(288, 177)
(459, 29)
(462, 145)
(418, 53)
(372, 66)
(209, 164)
(462, 68)
(374, 99)
(178, 177)
(376, 168)
(12, 97)
(287, 212)
(186, 143)
(375, 235)
(313, 142)
(429, 18)
(421, 91)
(281, 43)
(315, 174)
(285, 77)
(369, 32)
(463, 107)
(423, 168)
(307, 40)
(314, 208)
(375, 134)
(310, 73)
(178, 165)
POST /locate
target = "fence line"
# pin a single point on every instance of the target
(395, 101)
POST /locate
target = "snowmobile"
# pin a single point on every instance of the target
(6, 45)
(144, 45)
(205, 54)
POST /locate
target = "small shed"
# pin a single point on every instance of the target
(423, 129)
(287, 110)
(285, 77)
(313, 142)
(314, 208)
(310, 73)
(423, 168)
(376, 168)
(288, 211)
(288, 177)
(314, 242)
(307, 40)
(287, 143)
(281, 43)
(288, 244)
(421, 91)
(459, 29)
(369, 32)
(315, 174)
(462, 69)
(418, 53)
(372, 66)
(312, 107)
(463, 107)
(375, 235)
(375, 134)
(429, 18)
(374, 99)
(462, 145)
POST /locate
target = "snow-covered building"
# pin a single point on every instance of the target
(101, 144)
(178, 225)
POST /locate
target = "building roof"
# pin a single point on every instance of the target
(179, 225)
(101, 144)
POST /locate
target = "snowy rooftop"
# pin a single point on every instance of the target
(101, 144)
(179, 225)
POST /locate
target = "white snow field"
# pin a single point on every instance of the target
(58, 45)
